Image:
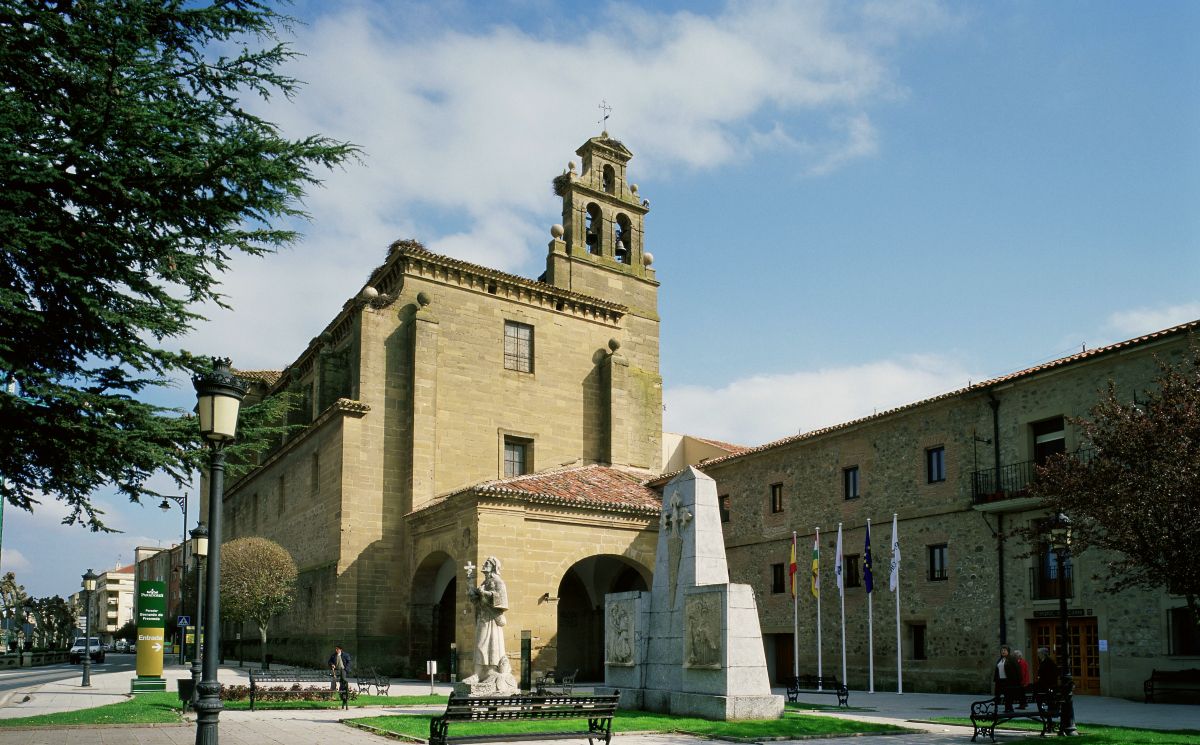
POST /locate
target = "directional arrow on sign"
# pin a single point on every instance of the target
(156, 646)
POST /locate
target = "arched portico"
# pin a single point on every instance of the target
(432, 611)
(581, 594)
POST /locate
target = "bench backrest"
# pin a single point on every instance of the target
(1176, 676)
(463, 709)
(288, 676)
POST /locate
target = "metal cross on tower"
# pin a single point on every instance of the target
(604, 107)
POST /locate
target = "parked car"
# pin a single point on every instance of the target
(90, 646)
(122, 645)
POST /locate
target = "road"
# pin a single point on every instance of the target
(26, 677)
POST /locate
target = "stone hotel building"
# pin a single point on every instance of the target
(452, 412)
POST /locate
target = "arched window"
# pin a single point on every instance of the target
(623, 235)
(610, 179)
(592, 234)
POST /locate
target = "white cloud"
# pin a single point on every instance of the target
(12, 560)
(761, 408)
(1139, 321)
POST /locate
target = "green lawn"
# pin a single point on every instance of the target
(1100, 734)
(791, 727)
(145, 708)
(356, 703)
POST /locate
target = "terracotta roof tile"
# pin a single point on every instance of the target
(727, 446)
(584, 486)
(269, 377)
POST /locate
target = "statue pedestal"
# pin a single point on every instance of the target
(496, 684)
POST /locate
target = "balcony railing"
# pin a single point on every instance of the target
(1005, 482)
(1044, 587)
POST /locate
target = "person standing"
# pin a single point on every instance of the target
(339, 669)
(1007, 677)
(1047, 672)
(1024, 666)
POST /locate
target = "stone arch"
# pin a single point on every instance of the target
(581, 592)
(433, 602)
(593, 220)
(623, 239)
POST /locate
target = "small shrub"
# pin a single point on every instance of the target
(297, 692)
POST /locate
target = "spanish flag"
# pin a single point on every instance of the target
(816, 578)
(792, 567)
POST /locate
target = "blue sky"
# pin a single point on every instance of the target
(854, 205)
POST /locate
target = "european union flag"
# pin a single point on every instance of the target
(867, 561)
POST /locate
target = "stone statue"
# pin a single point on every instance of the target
(493, 672)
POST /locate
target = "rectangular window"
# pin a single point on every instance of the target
(518, 346)
(516, 456)
(776, 497)
(316, 474)
(1049, 438)
(917, 634)
(850, 482)
(723, 504)
(935, 464)
(777, 579)
(937, 562)
(850, 570)
(1049, 575)
(1184, 636)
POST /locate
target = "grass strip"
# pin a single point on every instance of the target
(1103, 734)
(793, 727)
(356, 703)
(145, 708)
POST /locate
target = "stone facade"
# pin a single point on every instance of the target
(440, 376)
(951, 625)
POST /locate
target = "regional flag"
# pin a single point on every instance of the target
(837, 564)
(894, 580)
(816, 577)
(867, 578)
(792, 566)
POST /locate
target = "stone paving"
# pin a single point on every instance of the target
(323, 726)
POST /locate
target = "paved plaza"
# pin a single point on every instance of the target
(323, 726)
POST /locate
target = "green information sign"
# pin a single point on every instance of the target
(151, 623)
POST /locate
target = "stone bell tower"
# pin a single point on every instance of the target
(600, 250)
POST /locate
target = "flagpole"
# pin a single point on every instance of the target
(895, 582)
(842, 596)
(795, 613)
(870, 617)
(817, 585)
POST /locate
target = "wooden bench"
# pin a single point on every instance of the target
(598, 710)
(818, 684)
(565, 684)
(988, 714)
(1172, 683)
(303, 682)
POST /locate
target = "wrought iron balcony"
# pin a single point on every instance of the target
(1005, 482)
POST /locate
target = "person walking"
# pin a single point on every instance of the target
(339, 670)
(1024, 666)
(1007, 677)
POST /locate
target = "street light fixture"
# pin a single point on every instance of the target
(89, 585)
(219, 397)
(165, 506)
(199, 551)
(1060, 541)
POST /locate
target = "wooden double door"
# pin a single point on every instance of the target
(1085, 651)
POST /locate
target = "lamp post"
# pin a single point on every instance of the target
(219, 396)
(89, 584)
(1060, 540)
(199, 551)
(182, 501)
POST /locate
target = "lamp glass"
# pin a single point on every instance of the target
(225, 417)
(200, 546)
(89, 583)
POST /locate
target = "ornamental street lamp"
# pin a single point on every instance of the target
(219, 395)
(1060, 541)
(199, 551)
(89, 584)
(182, 501)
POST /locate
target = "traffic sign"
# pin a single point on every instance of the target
(183, 621)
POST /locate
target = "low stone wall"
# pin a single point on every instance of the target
(32, 659)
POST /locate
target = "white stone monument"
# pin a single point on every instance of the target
(692, 645)
(493, 672)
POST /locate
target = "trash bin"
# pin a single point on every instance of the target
(185, 689)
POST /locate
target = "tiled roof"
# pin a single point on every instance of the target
(727, 446)
(583, 486)
(269, 377)
(1183, 328)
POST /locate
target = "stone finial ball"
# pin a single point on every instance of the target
(647, 258)
(369, 293)
(633, 188)
(614, 345)
(423, 299)
(556, 231)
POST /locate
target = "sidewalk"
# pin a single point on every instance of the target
(321, 726)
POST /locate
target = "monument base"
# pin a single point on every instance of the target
(142, 684)
(499, 684)
(726, 708)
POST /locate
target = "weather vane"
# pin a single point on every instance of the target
(604, 120)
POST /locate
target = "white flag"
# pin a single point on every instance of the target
(837, 563)
(894, 580)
